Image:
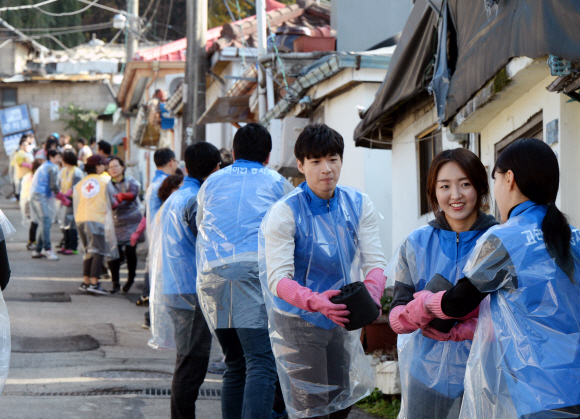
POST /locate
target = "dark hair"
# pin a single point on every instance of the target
(318, 140)
(91, 169)
(92, 140)
(469, 164)
(227, 158)
(121, 162)
(50, 142)
(23, 139)
(252, 142)
(52, 153)
(36, 164)
(537, 175)
(200, 159)
(69, 157)
(104, 146)
(170, 183)
(163, 156)
(82, 141)
(179, 172)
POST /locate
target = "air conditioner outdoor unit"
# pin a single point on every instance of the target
(172, 82)
(284, 133)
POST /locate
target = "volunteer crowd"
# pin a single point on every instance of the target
(488, 314)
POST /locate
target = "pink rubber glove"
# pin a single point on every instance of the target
(400, 321)
(69, 193)
(140, 229)
(416, 310)
(461, 331)
(27, 165)
(63, 199)
(304, 298)
(135, 238)
(432, 303)
(375, 283)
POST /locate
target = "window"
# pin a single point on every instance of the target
(430, 144)
(7, 98)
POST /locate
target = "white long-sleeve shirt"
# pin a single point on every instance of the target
(279, 230)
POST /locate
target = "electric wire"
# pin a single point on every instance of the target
(76, 12)
(28, 6)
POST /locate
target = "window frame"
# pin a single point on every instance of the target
(433, 139)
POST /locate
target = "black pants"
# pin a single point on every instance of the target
(130, 254)
(568, 411)
(92, 266)
(32, 232)
(193, 344)
(71, 240)
(426, 403)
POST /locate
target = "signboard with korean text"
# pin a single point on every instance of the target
(12, 141)
(14, 122)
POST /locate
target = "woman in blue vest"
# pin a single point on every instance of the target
(433, 257)
(525, 359)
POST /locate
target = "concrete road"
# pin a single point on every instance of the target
(82, 356)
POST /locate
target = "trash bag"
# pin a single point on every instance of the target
(431, 371)
(92, 199)
(6, 230)
(525, 357)
(172, 259)
(322, 367)
(232, 203)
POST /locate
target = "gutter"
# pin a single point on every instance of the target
(333, 66)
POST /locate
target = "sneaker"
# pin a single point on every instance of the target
(97, 289)
(116, 288)
(147, 323)
(61, 250)
(49, 254)
(75, 252)
(127, 286)
(217, 367)
(68, 252)
(283, 415)
(84, 287)
(142, 301)
(37, 255)
(31, 246)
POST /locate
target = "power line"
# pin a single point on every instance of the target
(76, 12)
(105, 26)
(110, 9)
(94, 26)
(28, 6)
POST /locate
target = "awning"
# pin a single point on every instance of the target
(228, 109)
(481, 43)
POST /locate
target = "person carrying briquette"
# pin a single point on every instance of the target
(43, 191)
(525, 358)
(314, 241)
(127, 217)
(177, 319)
(93, 199)
(231, 205)
(70, 175)
(432, 257)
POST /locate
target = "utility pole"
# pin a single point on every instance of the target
(195, 71)
(132, 28)
(262, 50)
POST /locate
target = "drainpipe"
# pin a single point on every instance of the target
(262, 50)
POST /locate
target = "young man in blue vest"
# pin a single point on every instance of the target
(175, 279)
(232, 203)
(314, 241)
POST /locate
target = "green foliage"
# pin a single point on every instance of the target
(386, 303)
(379, 404)
(218, 13)
(83, 121)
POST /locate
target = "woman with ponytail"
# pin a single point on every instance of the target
(525, 358)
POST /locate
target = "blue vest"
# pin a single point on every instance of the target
(232, 216)
(326, 244)
(41, 183)
(154, 201)
(536, 322)
(430, 251)
(178, 241)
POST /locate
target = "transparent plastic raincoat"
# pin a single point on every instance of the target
(42, 192)
(92, 199)
(69, 177)
(231, 205)
(431, 371)
(152, 200)
(126, 215)
(173, 263)
(525, 357)
(6, 230)
(321, 366)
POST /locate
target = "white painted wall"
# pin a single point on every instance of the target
(365, 169)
